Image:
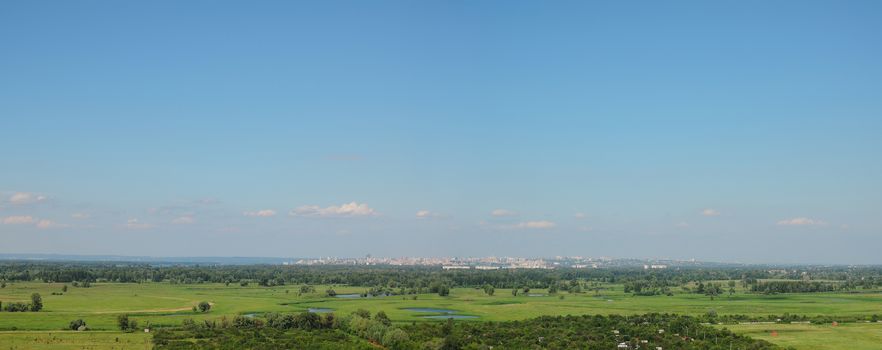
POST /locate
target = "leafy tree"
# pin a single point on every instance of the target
(451, 342)
(488, 288)
(382, 318)
(712, 290)
(396, 339)
(64, 288)
(125, 324)
(36, 302)
(514, 292)
(362, 313)
(331, 293)
(204, 306)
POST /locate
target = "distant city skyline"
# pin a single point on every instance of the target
(342, 128)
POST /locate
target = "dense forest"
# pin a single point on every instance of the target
(361, 330)
(398, 279)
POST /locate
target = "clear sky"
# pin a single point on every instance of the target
(719, 130)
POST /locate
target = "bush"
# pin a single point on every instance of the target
(395, 339)
(125, 324)
(75, 325)
(204, 306)
(16, 307)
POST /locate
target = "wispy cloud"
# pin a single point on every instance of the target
(49, 224)
(682, 224)
(425, 214)
(580, 215)
(25, 198)
(801, 221)
(503, 212)
(184, 220)
(80, 216)
(136, 224)
(264, 213)
(710, 212)
(18, 220)
(344, 210)
(535, 224)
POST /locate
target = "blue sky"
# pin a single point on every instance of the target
(737, 131)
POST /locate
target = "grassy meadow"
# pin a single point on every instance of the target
(855, 336)
(168, 304)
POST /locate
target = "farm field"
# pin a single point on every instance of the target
(95, 340)
(854, 336)
(168, 304)
(165, 304)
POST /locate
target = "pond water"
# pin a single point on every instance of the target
(445, 313)
(320, 310)
(444, 317)
(427, 309)
(356, 296)
(536, 295)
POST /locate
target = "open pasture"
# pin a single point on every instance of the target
(168, 304)
(852, 336)
(100, 340)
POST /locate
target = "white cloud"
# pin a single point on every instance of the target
(48, 224)
(25, 197)
(80, 216)
(801, 222)
(503, 212)
(137, 224)
(536, 224)
(710, 212)
(580, 215)
(265, 213)
(683, 224)
(18, 220)
(184, 220)
(347, 210)
(425, 214)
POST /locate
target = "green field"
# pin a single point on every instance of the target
(817, 337)
(168, 304)
(100, 340)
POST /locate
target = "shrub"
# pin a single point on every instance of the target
(75, 325)
(204, 306)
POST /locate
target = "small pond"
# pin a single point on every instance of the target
(431, 310)
(445, 313)
(356, 296)
(320, 310)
